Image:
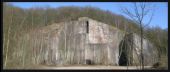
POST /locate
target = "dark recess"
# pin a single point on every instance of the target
(123, 60)
(89, 62)
(87, 24)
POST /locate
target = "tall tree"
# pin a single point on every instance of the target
(9, 31)
(137, 13)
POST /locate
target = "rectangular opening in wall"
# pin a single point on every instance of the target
(87, 26)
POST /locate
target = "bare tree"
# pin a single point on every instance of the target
(137, 13)
(9, 31)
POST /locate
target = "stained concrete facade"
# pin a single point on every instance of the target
(87, 40)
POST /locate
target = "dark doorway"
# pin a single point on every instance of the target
(89, 62)
(123, 60)
(87, 26)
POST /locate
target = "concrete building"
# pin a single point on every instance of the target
(87, 41)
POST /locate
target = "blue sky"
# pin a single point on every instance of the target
(160, 14)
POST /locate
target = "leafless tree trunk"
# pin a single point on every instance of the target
(159, 49)
(9, 30)
(141, 10)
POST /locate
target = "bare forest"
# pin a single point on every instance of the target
(18, 22)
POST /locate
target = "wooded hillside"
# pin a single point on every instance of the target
(17, 22)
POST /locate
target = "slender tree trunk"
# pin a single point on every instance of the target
(23, 48)
(65, 42)
(9, 30)
(4, 43)
(159, 48)
(142, 58)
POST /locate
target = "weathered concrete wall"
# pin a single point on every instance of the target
(149, 51)
(133, 50)
(99, 45)
(75, 42)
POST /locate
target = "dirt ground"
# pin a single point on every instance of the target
(87, 67)
(95, 67)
